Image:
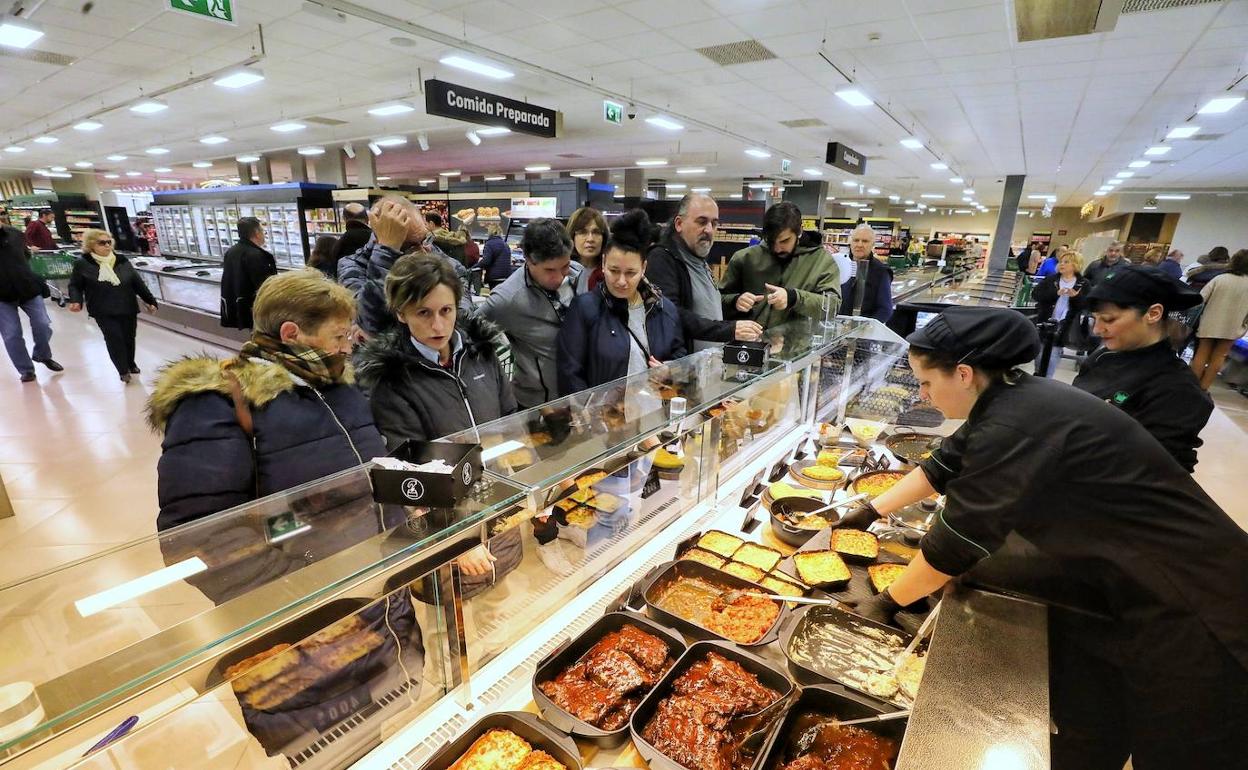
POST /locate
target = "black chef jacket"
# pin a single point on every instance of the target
(1091, 490)
(1154, 386)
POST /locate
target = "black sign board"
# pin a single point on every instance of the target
(846, 159)
(449, 100)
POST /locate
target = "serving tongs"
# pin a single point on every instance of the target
(731, 596)
(795, 515)
(760, 724)
(902, 714)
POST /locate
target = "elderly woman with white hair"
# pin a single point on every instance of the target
(111, 289)
(877, 300)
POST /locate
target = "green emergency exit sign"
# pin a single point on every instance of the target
(216, 10)
(612, 112)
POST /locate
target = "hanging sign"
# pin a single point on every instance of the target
(215, 10)
(846, 159)
(612, 112)
(449, 100)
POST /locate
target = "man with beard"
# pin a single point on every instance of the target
(779, 278)
(677, 267)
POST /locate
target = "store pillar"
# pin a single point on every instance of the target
(244, 173)
(365, 169)
(1005, 222)
(264, 169)
(808, 197)
(634, 183)
(331, 168)
(298, 167)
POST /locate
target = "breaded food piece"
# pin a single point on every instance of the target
(721, 543)
(883, 575)
(782, 587)
(259, 668)
(745, 571)
(540, 760)
(338, 654)
(824, 473)
(496, 750)
(281, 688)
(582, 517)
(759, 556)
(704, 557)
(821, 567)
(566, 504)
(856, 543)
(587, 480)
(607, 502)
(582, 495)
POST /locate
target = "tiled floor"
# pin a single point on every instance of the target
(79, 462)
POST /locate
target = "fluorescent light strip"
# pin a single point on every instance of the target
(652, 162)
(213, 140)
(911, 143)
(493, 131)
(675, 186)
(385, 110)
(240, 78)
(854, 97)
(537, 168)
(202, 164)
(476, 67)
(286, 128)
(849, 184)
(148, 107)
(83, 164)
(812, 172)
(390, 141)
(500, 450)
(88, 125)
(297, 530)
(1172, 197)
(939, 166)
(158, 169)
(1125, 174)
(247, 158)
(691, 170)
(156, 151)
(664, 123)
(15, 148)
(1220, 105)
(1159, 149)
(494, 178)
(448, 173)
(933, 196)
(1183, 132)
(754, 152)
(133, 589)
(311, 150)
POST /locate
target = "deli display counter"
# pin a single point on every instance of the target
(976, 288)
(318, 628)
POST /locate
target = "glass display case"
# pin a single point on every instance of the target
(315, 627)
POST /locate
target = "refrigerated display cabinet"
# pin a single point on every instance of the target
(316, 627)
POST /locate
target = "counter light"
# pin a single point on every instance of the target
(873, 191)
(480, 68)
(385, 110)
(537, 168)
(116, 158)
(162, 170)
(15, 148)
(854, 97)
(665, 123)
(46, 140)
(133, 589)
(311, 150)
(493, 131)
(18, 33)
(202, 164)
(247, 158)
(390, 141)
(156, 151)
(286, 128)
(1183, 132)
(910, 143)
(652, 162)
(754, 152)
(240, 78)
(691, 170)
(88, 125)
(83, 164)
(1172, 197)
(1159, 149)
(1220, 105)
(148, 107)
(214, 139)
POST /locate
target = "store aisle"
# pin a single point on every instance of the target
(80, 464)
(76, 457)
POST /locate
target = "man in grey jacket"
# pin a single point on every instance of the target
(530, 305)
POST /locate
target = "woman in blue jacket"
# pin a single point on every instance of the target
(624, 326)
(495, 257)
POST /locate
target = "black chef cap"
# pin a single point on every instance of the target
(987, 337)
(1142, 286)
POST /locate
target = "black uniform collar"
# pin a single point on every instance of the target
(1015, 377)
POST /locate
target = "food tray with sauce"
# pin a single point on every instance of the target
(573, 650)
(825, 644)
(768, 674)
(539, 735)
(829, 700)
(859, 587)
(911, 447)
(698, 584)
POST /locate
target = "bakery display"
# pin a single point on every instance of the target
(694, 725)
(605, 685)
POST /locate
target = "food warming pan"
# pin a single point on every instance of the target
(664, 574)
(826, 699)
(798, 621)
(769, 675)
(527, 726)
(571, 650)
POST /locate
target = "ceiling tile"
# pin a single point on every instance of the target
(604, 24)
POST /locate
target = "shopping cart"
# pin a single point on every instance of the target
(53, 267)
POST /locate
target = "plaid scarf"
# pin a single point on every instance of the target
(314, 366)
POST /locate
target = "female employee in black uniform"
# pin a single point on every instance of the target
(1136, 369)
(1163, 675)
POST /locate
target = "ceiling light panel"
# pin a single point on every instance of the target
(1160, 149)
(939, 166)
(1220, 105)
(854, 97)
(240, 78)
(88, 125)
(18, 33)
(148, 107)
(492, 71)
(386, 110)
(1183, 132)
(286, 128)
(755, 152)
(911, 143)
(665, 123)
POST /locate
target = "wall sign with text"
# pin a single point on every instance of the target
(449, 100)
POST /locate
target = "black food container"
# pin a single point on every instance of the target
(802, 672)
(832, 700)
(664, 574)
(769, 675)
(571, 651)
(527, 726)
(797, 536)
(432, 490)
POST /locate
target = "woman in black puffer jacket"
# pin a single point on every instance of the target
(438, 374)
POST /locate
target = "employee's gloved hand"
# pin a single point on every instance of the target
(861, 516)
(881, 608)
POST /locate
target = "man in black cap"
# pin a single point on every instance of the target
(1136, 368)
(1154, 664)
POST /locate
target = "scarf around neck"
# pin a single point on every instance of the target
(107, 274)
(313, 365)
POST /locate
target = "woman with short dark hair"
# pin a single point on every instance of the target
(588, 229)
(322, 256)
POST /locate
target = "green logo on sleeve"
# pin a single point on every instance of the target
(1120, 398)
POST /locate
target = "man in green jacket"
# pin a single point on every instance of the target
(779, 279)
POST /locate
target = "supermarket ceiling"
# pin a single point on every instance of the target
(1070, 112)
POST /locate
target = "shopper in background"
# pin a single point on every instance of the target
(451, 243)
(624, 326)
(1151, 661)
(676, 266)
(1153, 256)
(322, 257)
(21, 289)
(496, 256)
(588, 229)
(1024, 260)
(246, 266)
(1136, 368)
(779, 278)
(111, 289)
(38, 236)
(1172, 265)
(1224, 320)
(1100, 267)
(877, 301)
(1215, 263)
(1049, 266)
(530, 307)
(1061, 298)
(280, 414)
(398, 228)
(355, 232)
